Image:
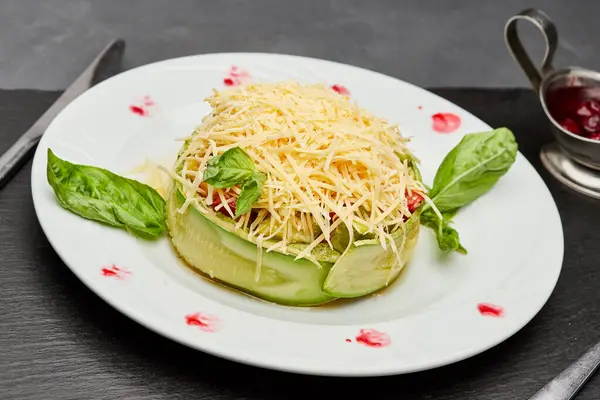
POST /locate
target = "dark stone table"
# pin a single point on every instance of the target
(58, 340)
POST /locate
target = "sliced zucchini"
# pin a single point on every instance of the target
(368, 267)
(208, 246)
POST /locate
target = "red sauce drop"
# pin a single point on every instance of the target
(341, 90)
(445, 122)
(114, 271)
(576, 108)
(348, 340)
(142, 108)
(490, 310)
(420, 107)
(236, 76)
(205, 323)
(373, 338)
(109, 272)
(138, 110)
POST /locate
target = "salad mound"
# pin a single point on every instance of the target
(301, 171)
(294, 194)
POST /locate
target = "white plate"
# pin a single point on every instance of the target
(428, 318)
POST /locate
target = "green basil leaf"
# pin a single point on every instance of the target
(447, 237)
(251, 191)
(233, 167)
(472, 168)
(467, 172)
(100, 195)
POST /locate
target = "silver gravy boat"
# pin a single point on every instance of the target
(573, 159)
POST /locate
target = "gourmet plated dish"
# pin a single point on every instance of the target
(293, 193)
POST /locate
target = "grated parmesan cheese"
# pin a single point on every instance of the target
(329, 164)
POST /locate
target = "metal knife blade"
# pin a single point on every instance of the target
(106, 64)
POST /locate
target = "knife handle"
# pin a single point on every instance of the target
(14, 158)
(568, 383)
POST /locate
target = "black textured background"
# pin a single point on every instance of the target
(58, 340)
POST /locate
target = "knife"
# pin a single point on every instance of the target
(106, 64)
(567, 384)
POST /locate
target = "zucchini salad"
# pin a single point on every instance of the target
(293, 193)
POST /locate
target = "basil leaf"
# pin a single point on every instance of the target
(467, 172)
(100, 195)
(472, 168)
(233, 167)
(447, 237)
(251, 191)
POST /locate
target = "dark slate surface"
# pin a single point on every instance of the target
(46, 43)
(58, 340)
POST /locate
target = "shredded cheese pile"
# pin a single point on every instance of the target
(329, 164)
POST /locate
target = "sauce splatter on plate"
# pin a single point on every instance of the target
(114, 272)
(138, 110)
(206, 323)
(490, 310)
(142, 108)
(341, 90)
(236, 76)
(373, 338)
(445, 122)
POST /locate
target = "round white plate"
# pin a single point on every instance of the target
(430, 317)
